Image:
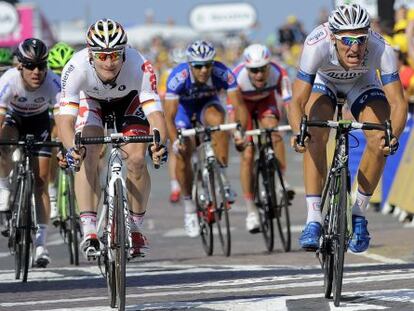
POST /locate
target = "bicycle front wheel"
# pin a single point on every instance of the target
(16, 234)
(221, 210)
(280, 205)
(74, 227)
(120, 248)
(26, 224)
(200, 195)
(262, 200)
(340, 235)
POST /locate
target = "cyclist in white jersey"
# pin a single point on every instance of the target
(104, 78)
(263, 84)
(346, 56)
(27, 92)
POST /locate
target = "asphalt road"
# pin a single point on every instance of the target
(177, 275)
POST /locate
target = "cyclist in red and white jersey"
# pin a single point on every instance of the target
(344, 56)
(27, 92)
(263, 84)
(110, 77)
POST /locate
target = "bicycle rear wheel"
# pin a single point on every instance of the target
(203, 212)
(221, 210)
(280, 204)
(120, 249)
(262, 201)
(340, 236)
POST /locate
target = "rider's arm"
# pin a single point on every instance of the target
(170, 108)
(236, 99)
(399, 106)
(300, 96)
(156, 120)
(66, 129)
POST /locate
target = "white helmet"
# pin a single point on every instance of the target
(177, 56)
(106, 34)
(256, 55)
(348, 17)
(200, 51)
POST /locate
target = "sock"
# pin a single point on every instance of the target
(189, 206)
(174, 185)
(4, 183)
(88, 221)
(361, 203)
(137, 220)
(313, 203)
(250, 206)
(41, 233)
(52, 191)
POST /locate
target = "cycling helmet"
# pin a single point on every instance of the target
(6, 56)
(348, 17)
(59, 55)
(32, 51)
(200, 51)
(256, 55)
(106, 34)
(177, 56)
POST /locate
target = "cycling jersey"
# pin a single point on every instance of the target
(14, 96)
(319, 56)
(80, 83)
(277, 84)
(319, 65)
(181, 84)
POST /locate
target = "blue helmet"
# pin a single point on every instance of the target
(200, 51)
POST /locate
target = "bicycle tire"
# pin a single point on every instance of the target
(73, 222)
(340, 236)
(26, 224)
(120, 248)
(280, 204)
(110, 281)
(221, 211)
(262, 201)
(15, 239)
(203, 213)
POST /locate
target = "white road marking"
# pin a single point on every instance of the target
(380, 258)
(355, 307)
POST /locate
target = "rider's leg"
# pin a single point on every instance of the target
(6, 164)
(174, 184)
(53, 169)
(214, 115)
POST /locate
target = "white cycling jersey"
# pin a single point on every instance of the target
(80, 83)
(319, 56)
(278, 84)
(15, 97)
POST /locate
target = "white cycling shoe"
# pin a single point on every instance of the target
(42, 258)
(90, 245)
(4, 199)
(252, 222)
(191, 225)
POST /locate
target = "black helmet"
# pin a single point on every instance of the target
(32, 51)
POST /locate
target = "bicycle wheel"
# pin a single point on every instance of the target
(73, 221)
(110, 280)
(340, 235)
(262, 201)
(15, 238)
(120, 249)
(200, 192)
(221, 210)
(280, 205)
(26, 224)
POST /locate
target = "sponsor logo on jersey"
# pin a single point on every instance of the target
(121, 87)
(22, 99)
(147, 68)
(230, 78)
(344, 75)
(318, 36)
(39, 100)
(177, 79)
(66, 75)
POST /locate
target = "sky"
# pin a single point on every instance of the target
(270, 13)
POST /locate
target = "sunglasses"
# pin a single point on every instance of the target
(258, 69)
(351, 40)
(113, 55)
(33, 66)
(199, 66)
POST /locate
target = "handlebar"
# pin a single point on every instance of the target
(256, 132)
(30, 140)
(201, 130)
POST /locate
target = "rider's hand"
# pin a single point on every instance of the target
(158, 154)
(74, 157)
(239, 141)
(62, 162)
(392, 148)
(294, 143)
(178, 147)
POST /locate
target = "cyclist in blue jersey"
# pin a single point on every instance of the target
(192, 90)
(346, 56)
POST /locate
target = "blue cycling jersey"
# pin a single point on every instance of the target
(182, 86)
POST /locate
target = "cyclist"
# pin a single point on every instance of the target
(110, 77)
(59, 55)
(344, 56)
(263, 84)
(26, 94)
(192, 89)
(6, 57)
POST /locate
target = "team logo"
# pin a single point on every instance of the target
(121, 87)
(39, 100)
(22, 99)
(318, 36)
